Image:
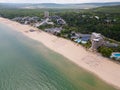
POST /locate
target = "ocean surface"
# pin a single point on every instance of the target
(26, 64)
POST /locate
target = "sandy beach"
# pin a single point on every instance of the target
(102, 67)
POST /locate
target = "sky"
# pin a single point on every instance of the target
(56, 1)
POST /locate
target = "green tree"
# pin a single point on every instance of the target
(105, 51)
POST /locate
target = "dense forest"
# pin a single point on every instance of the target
(95, 20)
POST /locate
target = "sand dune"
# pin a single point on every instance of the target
(100, 66)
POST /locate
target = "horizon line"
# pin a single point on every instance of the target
(54, 3)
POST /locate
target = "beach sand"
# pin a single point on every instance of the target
(102, 67)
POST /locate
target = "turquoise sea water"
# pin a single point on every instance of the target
(26, 64)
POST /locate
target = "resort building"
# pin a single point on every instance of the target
(55, 31)
(80, 38)
(61, 21)
(37, 24)
(84, 37)
(111, 45)
(45, 22)
(97, 40)
(26, 20)
(58, 19)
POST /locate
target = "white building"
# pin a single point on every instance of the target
(97, 17)
(46, 14)
(97, 40)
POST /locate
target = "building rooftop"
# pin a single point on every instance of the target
(97, 35)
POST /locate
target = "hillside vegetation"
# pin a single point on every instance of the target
(110, 9)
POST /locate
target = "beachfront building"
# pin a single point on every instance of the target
(37, 24)
(58, 19)
(111, 45)
(46, 21)
(97, 40)
(61, 21)
(54, 31)
(80, 38)
(27, 20)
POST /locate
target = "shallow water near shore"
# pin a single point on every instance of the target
(26, 64)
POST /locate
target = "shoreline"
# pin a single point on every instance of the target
(100, 66)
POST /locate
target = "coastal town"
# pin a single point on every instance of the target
(46, 48)
(55, 25)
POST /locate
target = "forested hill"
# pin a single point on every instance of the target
(54, 5)
(108, 9)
